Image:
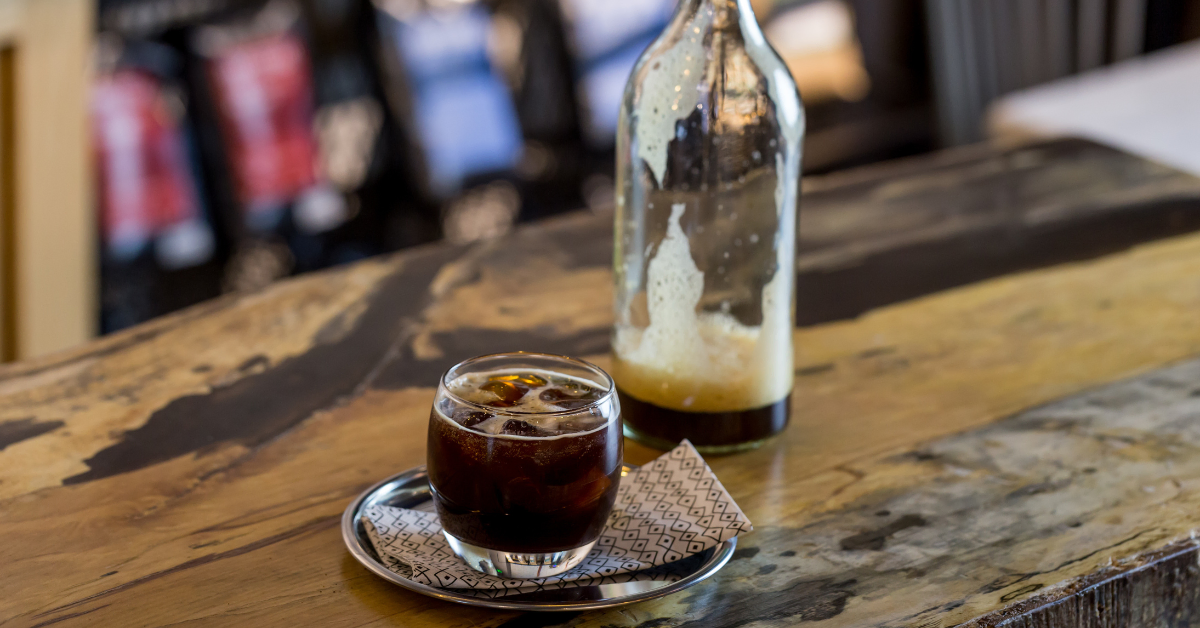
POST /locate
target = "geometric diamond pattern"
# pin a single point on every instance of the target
(665, 511)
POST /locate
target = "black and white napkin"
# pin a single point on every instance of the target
(666, 511)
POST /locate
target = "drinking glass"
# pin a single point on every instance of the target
(524, 461)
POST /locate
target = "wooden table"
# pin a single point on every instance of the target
(997, 418)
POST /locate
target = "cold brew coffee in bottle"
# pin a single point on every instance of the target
(708, 161)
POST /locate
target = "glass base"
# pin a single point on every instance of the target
(666, 445)
(517, 564)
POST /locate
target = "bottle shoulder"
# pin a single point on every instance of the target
(680, 73)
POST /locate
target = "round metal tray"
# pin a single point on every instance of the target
(410, 489)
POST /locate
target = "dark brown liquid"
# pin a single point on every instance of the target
(534, 495)
(713, 430)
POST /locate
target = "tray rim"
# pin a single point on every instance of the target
(721, 555)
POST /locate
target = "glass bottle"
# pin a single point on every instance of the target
(708, 161)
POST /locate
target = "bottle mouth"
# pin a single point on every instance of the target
(516, 360)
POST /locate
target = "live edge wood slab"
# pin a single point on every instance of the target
(996, 419)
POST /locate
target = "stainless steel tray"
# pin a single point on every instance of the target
(410, 489)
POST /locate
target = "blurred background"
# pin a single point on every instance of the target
(158, 153)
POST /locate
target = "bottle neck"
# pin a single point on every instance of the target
(727, 15)
(741, 6)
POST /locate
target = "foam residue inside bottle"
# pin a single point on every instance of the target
(667, 96)
(702, 361)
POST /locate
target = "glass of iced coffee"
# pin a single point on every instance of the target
(524, 460)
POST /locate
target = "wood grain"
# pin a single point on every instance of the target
(192, 470)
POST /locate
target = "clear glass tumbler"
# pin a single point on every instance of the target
(524, 460)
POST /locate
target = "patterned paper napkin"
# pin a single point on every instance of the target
(665, 511)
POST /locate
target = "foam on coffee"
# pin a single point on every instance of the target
(517, 400)
(702, 361)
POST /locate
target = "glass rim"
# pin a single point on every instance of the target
(609, 392)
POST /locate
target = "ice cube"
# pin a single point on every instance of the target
(531, 380)
(517, 427)
(583, 423)
(590, 490)
(570, 398)
(470, 418)
(508, 393)
(577, 389)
